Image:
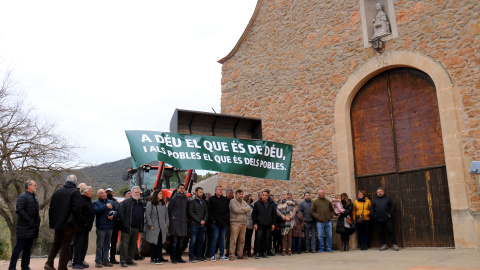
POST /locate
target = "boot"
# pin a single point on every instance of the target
(347, 248)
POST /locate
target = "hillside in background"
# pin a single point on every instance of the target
(105, 175)
(110, 175)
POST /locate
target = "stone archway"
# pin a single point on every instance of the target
(456, 171)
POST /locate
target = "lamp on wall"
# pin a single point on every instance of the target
(475, 170)
(377, 44)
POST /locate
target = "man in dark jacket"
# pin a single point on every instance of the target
(131, 216)
(263, 216)
(197, 210)
(64, 215)
(382, 211)
(322, 211)
(116, 227)
(80, 242)
(219, 218)
(28, 223)
(106, 212)
(177, 213)
(310, 226)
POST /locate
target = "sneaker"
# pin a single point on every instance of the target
(123, 264)
(257, 255)
(192, 260)
(174, 261)
(201, 259)
(383, 247)
(85, 264)
(395, 247)
(155, 262)
(69, 264)
(212, 259)
(320, 251)
(77, 266)
(329, 250)
(181, 261)
(223, 258)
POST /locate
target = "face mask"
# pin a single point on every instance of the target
(109, 196)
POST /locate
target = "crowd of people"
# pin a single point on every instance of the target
(214, 224)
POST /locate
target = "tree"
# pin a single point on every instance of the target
(29, 149)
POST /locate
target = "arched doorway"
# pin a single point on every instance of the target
(398, 145)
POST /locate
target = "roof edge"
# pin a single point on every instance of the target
(244, 35)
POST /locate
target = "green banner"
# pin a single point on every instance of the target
(261, 159)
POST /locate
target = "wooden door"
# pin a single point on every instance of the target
(398, 145)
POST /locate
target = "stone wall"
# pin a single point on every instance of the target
(298, 54)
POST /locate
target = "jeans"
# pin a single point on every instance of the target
(26, 246)
(296, 244)
(197, 237)
(176, 248)
(327, 227)
(381, 231)
(104, 237)
(310, 236)
(364, 233)
(217, 232)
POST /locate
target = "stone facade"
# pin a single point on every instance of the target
(297, 58)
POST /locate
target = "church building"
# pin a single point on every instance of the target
(370, 93)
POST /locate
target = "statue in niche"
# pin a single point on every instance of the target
(381, 26)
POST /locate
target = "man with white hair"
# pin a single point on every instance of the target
(85, 224)
(131, 215)
(64, 214)
(105, 212)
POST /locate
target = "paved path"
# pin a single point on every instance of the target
(415, 259)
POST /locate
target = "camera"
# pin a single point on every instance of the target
(111, 213)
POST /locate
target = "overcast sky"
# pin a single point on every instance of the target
(98, 68)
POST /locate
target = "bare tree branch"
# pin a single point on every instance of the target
(29, 149)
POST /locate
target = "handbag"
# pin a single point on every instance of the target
(347, 222)
(360, 219)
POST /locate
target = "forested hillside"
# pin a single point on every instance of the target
(109, 175)
(105, 175)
